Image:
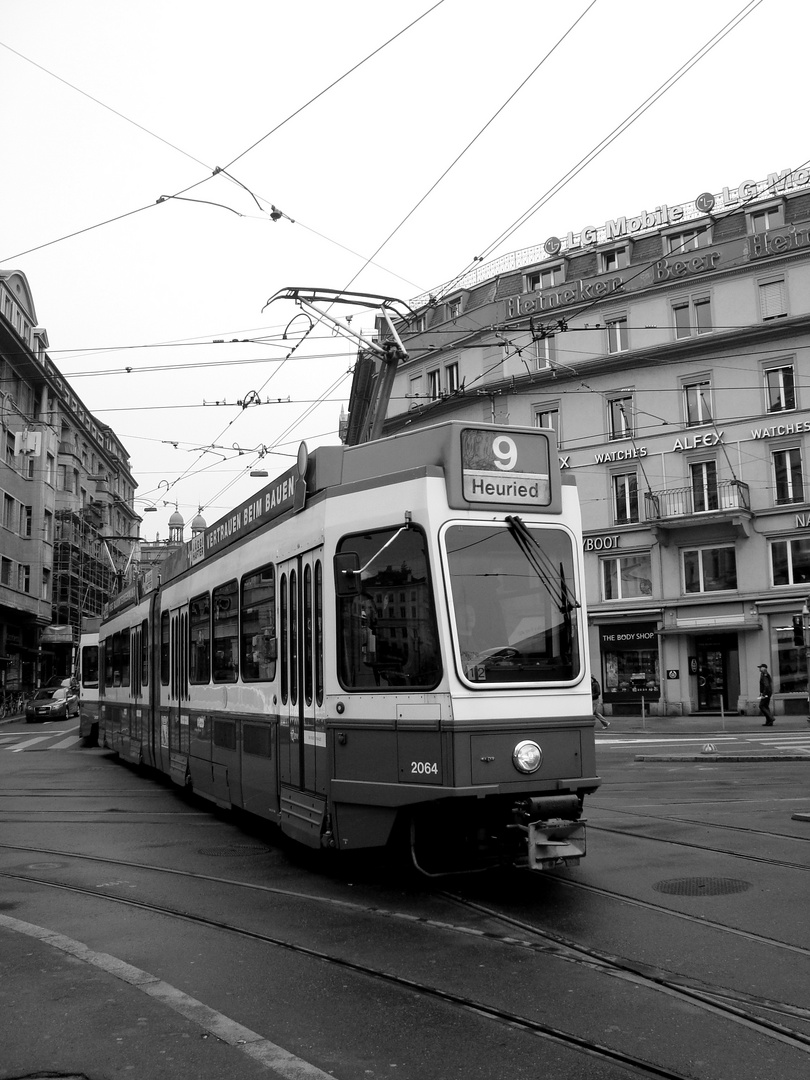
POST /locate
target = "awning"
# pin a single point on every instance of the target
(718, 627)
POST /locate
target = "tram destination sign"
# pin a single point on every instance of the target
(505, 467)
(271, 502)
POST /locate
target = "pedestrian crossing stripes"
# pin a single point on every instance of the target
(18, 742)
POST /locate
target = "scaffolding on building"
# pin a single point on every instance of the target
(84, 577)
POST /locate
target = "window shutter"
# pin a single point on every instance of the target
(773, 300)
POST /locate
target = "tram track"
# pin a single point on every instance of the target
(781, 864)
(722, 1002)
(568, 1040)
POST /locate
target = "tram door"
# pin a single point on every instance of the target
(174, 731)
(302, 742)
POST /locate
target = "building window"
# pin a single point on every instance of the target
(454, 308)
(451, 378)
(625, 498)
(620, 417)
(546, 278)
(709, 569)
(762, 220)
(544, 351)
(703, 478)
(697, 402)
(434, 384)
(547, 416)
(24, 579)
(626, 577)
(26, 521)
(49, 462)
(790, 561)
(689, 240)
(610, 261)
(787, 476)
(617, 334)
(47, 531)
(415, 391)
(780, 389)
(46, 585)
(692, 317)
(773, 300)
(5, 571)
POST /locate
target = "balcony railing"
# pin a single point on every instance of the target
(725, 495)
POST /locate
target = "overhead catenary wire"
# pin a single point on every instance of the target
(592, 154)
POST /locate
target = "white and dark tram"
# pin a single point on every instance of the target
(386, 642)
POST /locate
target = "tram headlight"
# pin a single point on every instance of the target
(527, 757)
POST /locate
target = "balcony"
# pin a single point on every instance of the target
(723, 502)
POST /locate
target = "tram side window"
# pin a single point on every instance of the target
(259, 647)
(107, 650)
(225, 605)
(119, 670)
(199, 639)
(164, 648)
(90, 665)
(381, 641)
(144, 653)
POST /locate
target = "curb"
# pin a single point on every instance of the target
(722, 757)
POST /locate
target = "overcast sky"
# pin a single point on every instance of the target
(458, 118)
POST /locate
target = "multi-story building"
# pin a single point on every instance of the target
(669, 352)
(68, 529)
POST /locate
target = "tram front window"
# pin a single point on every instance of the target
(514, 604)
(387, 633)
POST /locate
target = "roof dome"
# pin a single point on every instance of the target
(198, 524)
(176, 520)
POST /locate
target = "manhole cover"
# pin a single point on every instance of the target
(702, 886)
(234, 849)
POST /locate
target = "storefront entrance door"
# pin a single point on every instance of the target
(718, 672)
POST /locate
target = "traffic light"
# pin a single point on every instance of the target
(798, 630)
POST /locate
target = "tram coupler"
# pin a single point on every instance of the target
(553, 840)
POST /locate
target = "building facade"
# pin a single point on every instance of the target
(669, 353)
(68, 531)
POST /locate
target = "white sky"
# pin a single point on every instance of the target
(195, 83)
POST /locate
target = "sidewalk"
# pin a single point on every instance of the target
(704, 724)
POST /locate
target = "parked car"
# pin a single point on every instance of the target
(61, 680)
(52, 703)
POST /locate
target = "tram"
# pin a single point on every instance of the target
(87, 679)
(385, 645)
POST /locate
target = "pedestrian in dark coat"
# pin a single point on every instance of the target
(765, 692)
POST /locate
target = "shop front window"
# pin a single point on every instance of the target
(790, 676)
(630, 665)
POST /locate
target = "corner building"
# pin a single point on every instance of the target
(669, 351)
(68, 530)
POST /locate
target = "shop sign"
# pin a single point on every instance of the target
(767, 243)
(663, 216)
(600, 543)
(673, 673)
(572, 292)
(711, 438)
(794, 428)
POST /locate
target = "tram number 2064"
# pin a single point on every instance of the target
(422, 772)
(424, 768)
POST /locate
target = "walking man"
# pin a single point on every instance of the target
(596, 693)
(765, 691)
